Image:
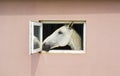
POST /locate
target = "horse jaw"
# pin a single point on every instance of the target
(51, 44)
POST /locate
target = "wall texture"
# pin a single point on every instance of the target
(103, 34)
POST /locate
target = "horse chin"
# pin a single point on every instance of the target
(46, 48)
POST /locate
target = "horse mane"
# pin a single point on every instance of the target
(75, 41)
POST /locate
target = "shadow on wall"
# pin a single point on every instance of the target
(34, 63)
(52, 7)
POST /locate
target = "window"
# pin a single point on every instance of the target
(58, 36)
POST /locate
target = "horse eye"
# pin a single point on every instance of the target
(60, 32)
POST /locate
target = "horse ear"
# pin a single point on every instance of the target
(70, 25)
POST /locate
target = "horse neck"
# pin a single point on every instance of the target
(75, 41)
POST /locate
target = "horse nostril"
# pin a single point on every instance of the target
(46, 47)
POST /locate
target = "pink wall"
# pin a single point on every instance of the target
(103, 34)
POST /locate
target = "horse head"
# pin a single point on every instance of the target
(59, 38)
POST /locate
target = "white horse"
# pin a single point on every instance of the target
(63, 36)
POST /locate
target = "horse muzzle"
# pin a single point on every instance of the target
(46, 47)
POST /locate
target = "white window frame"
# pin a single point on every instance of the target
(41, 22)
(31, 37)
